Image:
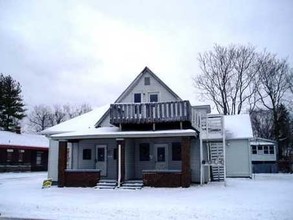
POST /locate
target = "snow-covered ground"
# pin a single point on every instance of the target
(265, 197)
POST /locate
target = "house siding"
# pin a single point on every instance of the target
(238, 158)
(145, 90)
(90, 164)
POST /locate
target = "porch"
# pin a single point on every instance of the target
(162, 161)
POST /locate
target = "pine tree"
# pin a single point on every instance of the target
(283, 130)
(11, 104)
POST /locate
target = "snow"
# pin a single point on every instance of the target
(85, 121)
(238, 126)
(28, 140)
(113, 132)
(267, 196)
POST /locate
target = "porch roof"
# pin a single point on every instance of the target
(114, 132)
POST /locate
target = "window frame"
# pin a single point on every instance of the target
(147, 81)
(87, 154)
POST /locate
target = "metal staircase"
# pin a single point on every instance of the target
(212, 137)
(217, 161)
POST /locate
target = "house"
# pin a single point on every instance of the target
(264, 155)
(23, 152)
(148, 134)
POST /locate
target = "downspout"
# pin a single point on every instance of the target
(224, 148)
(119, 165)
(200, 151)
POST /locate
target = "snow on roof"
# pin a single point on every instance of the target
(113, 132)
(238, 126)
(85, 121)
(28, 140)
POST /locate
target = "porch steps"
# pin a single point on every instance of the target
(106, 184)
(132, 184)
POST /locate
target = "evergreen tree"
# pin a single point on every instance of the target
(283, 131)
(11, 104)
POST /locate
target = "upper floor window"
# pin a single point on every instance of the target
(272, 150)
(253, 149)
(154, 97)
(137, 97)
(147, 81)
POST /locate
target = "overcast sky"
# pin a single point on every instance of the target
(73, 52)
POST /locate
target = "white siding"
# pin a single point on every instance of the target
(145, 90)
(53, 160)
(238, 158)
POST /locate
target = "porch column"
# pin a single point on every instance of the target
(121, 160)
(62, 160)
(185, 157)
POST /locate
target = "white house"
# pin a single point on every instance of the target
(151, 135)
(264, 155)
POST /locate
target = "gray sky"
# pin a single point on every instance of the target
(73, 52)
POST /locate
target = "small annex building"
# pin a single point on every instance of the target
(264, 155)
(152, 136)
(23, 152)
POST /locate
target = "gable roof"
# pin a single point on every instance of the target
(84, 121)
(132, 85)
(8, 138)
(238, 126)
(137, 79)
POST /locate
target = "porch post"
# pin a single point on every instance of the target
(185, 156)
(121, 160)
(62, 160)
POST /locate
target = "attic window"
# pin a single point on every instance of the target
(147, 81)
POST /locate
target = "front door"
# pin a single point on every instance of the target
(101, 159)
(161, 153)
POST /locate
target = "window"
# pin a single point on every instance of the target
(253, 149)
(147, 81)
(272, 150)
(20, 155)
(144, 152)
(176, 151)
(115, 154)
(9, 155)
(154, 98)
(39, 158)
(87, 154)
(137, 98)
(266, 150)
(259, 147)
(101, 154)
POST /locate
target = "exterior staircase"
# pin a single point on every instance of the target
(112, 184)
(217, 161)
(132, 184)
(106, 184)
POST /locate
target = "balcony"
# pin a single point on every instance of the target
(150, 113)
(212, 127)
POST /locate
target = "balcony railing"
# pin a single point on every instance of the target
(155, 112)
(212, 126)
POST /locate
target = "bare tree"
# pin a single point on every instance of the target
(228, 77)
(40, 118)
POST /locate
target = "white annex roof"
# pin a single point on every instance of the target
(27, 140)
(113, 132)
(82, 122)
(238, 126)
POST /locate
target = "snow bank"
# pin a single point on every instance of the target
(265, 197)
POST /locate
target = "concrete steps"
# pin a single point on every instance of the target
(106, 184)
(132, 184)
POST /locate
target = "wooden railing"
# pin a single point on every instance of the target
(155, 112)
